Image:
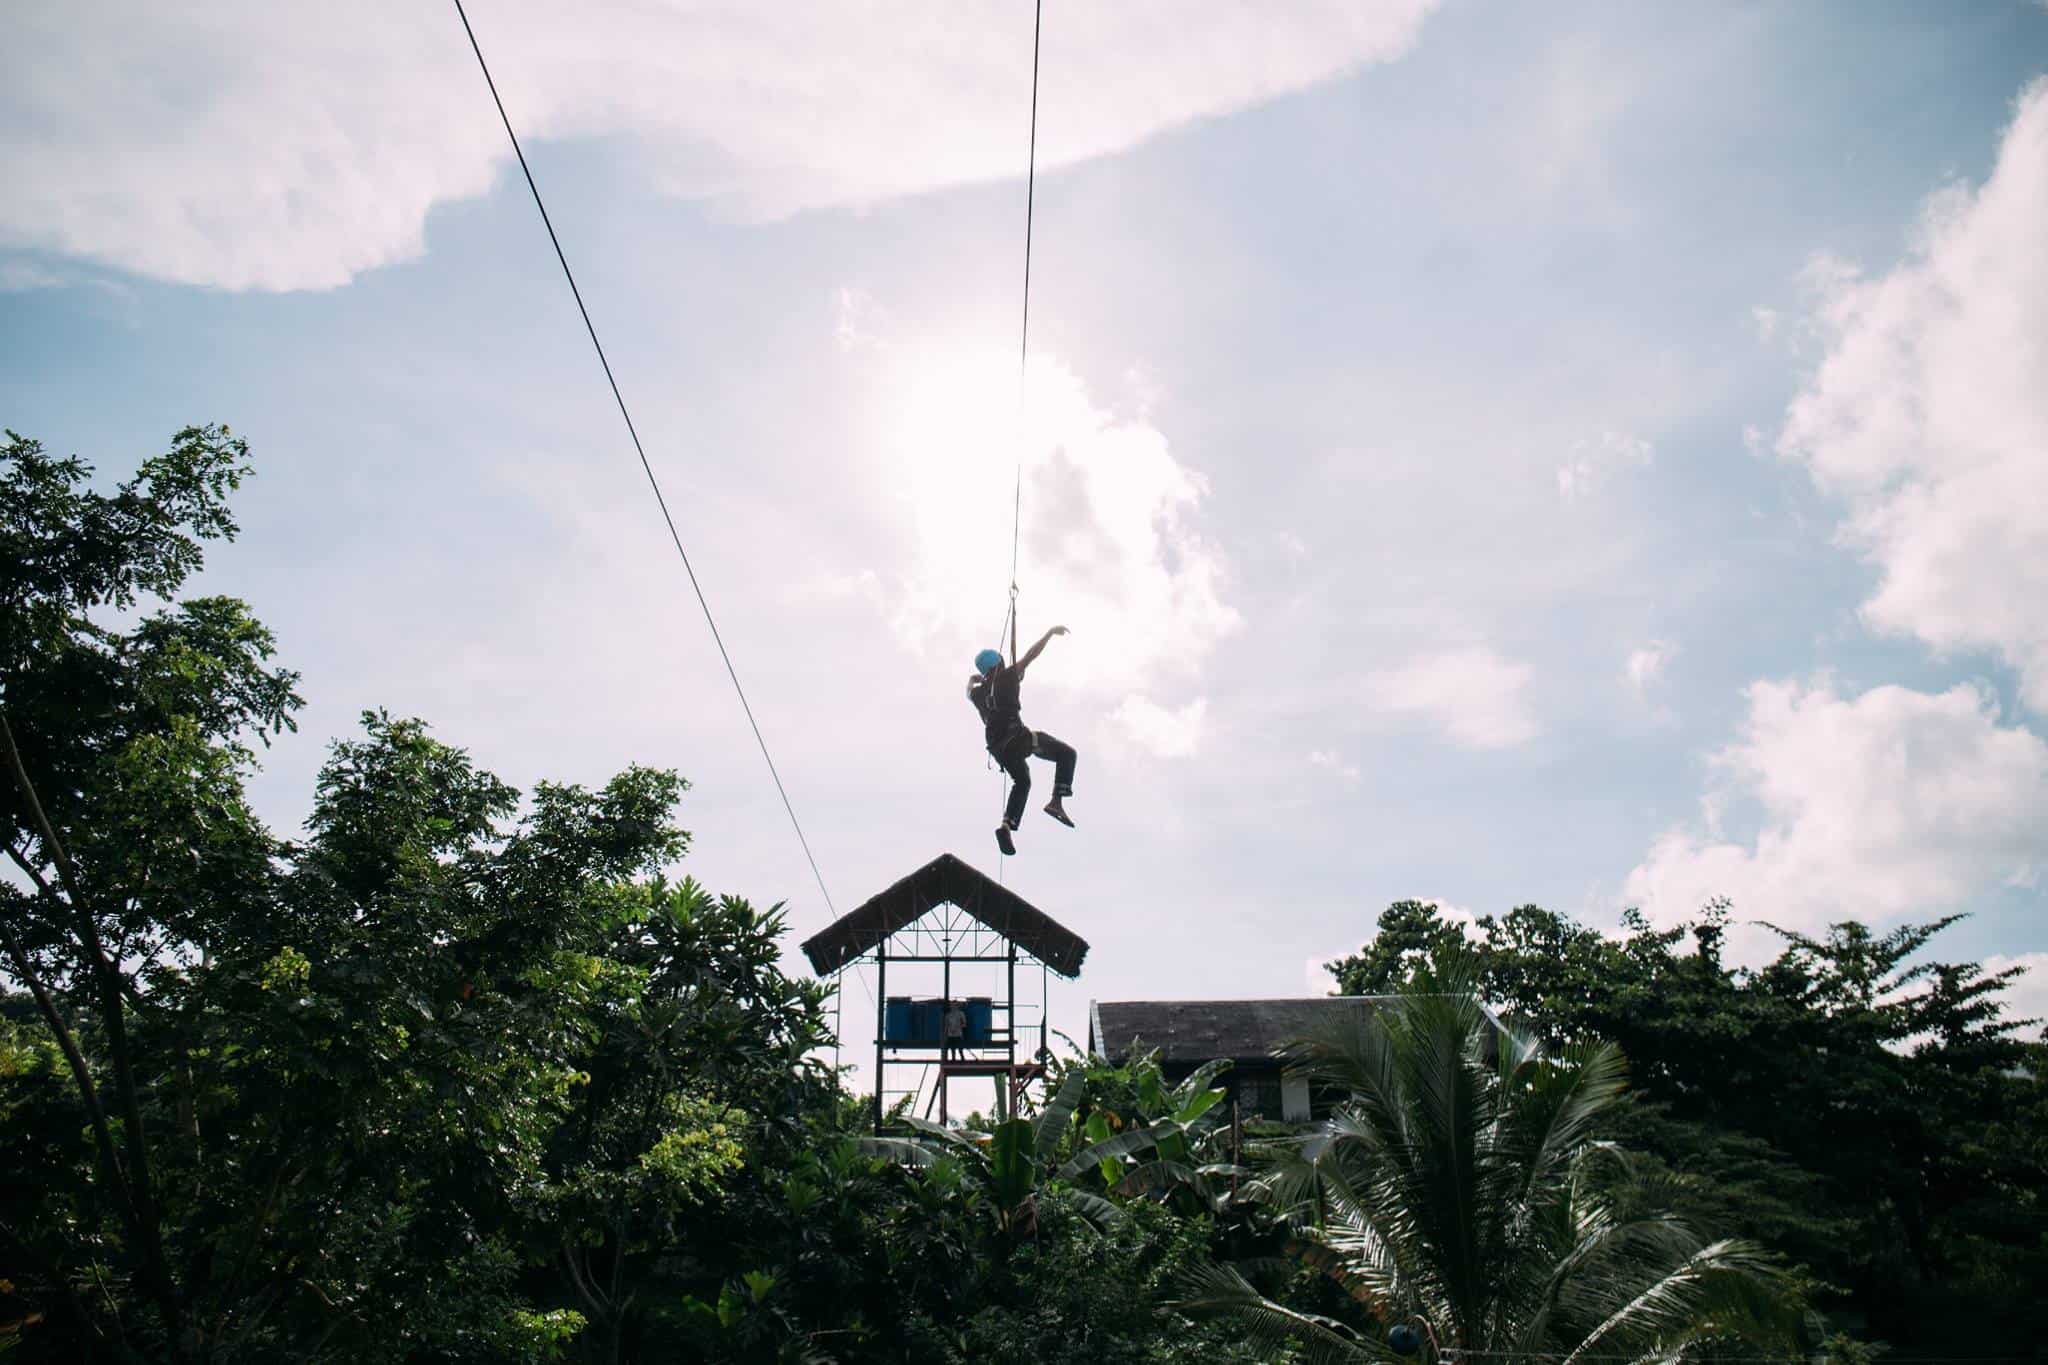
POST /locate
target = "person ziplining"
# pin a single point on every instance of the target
(995, 691)
(995, 687)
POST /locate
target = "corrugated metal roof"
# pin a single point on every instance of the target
(945, 880)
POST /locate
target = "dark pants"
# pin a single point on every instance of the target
(1029, 744)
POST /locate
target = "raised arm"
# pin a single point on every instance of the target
(1039, 648)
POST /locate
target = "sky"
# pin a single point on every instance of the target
(1588, 454)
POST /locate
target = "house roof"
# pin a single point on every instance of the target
(1197, 1030)
(945, 880)
(1194, 1031)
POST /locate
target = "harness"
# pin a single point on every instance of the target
(981, 692)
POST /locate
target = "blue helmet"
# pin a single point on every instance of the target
(987, 659)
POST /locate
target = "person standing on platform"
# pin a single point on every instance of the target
(954, 1032)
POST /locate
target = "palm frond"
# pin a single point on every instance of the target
(1349, 1053)
(1289, 1181)
(1726, 1288)
(1363, 1260)
(1447, 1182)
(1561, 1103)
(1219, 1291)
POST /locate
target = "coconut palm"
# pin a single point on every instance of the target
(1460, 1190)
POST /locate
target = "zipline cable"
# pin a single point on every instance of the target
(1024, 332)
(1023, 357)
(641, 450)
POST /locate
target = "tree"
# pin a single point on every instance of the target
(461, 1073)
(334, 1098)
(1460, 1186)
(1843, 1103)
(1039, 1239)
(699, 1058)
(123, 753)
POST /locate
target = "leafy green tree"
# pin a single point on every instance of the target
(1460, 1187)
(1089, 1294)
(1025, 1241)
(123, 752)
(699, 1064)
(458, 1074)
(1844, 1104)
(352, 1097)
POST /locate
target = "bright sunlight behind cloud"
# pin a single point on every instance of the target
(1110, 544)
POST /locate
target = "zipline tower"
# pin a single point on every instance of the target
(946, 926)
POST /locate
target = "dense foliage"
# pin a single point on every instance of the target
(458, 1075)
(1864, 1109)
(1459, 1185)
(465, 1074)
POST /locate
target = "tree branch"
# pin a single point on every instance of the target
(141, 1192)
(600, 1307)
(33, 873)
(81, 1075)
(41, 818)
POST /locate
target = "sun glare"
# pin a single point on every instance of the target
(1104, 545)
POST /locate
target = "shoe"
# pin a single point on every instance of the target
(1003, 839)
(1058, 812)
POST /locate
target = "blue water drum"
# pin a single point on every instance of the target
(927, 1018)
(981, 1018)
(896, 1019)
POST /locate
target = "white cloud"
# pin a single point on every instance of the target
(1472, 694)
(1889, 804)
(300, 145)
(1330, 761)
(1929, 413)
(1161, 732)
(2027, 996)
(1592, 462)
(1646, 665)
(1449, 913)
(1315, 972)
(1765, 321)
(1109, 545)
